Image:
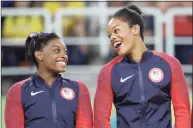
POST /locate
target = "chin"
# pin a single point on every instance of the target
(121, 53)
(62, 70)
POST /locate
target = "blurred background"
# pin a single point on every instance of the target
(82, 25)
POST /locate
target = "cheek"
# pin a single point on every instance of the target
(129, 39)
(126, 36)
(49, 60)
(122, 35)
(128, 43)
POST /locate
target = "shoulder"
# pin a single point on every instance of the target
(173, 62)
(73, 83)
(17, 86)
(168, 58)
(69, 81)
(14, 92)
(82, 86)
(107, 67)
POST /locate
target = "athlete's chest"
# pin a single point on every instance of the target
(51, 103)
(138, 81)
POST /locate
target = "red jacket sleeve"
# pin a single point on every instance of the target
(14, 117)
(103, 100)
(179, 93)
(84, 117)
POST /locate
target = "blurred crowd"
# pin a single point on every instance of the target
(79, 26)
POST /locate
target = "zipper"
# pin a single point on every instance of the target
(142, 91)
(141, 84)
(54, 110)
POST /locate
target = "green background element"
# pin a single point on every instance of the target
(2, 111)
(113, 113)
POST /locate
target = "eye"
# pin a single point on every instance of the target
(66, 52)
(56, 50)
(116, 31)
(109, 35)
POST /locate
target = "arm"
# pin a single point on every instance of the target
(14, 117)
(103, 100)
(84, 117)
(179, 94)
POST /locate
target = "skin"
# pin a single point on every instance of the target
(52, 59)
(131, 42)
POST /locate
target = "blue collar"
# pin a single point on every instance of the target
(39, 82)
(146, 55)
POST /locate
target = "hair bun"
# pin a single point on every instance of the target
(33, 34)
(134, 8)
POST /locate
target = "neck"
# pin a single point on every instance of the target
(138, 50)
(47, 76)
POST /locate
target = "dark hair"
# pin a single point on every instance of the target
(132, 15)
(36, 42)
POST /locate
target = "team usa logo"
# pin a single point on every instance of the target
(67, 93)
(156, 74)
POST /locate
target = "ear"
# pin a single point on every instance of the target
(136, 29)
(38, 55)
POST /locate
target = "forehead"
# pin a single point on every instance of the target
(56, 42)
(116, 22)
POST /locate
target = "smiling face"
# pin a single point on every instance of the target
(121, 36)
(53, 56)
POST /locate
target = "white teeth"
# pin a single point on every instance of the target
(61, 62)
(116, 44)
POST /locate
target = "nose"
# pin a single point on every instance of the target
(112, 37)
(64, 56)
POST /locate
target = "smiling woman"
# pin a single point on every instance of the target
(127, 25)
(47, 51)
(46, 100)
(141, 83)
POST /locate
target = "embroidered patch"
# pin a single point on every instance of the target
(156, 74)
(67, 93)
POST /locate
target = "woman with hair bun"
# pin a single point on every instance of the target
(141, 83)
(46, 100)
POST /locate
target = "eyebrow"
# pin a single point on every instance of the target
(59, 47)
(114, 26)
(56, 46)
